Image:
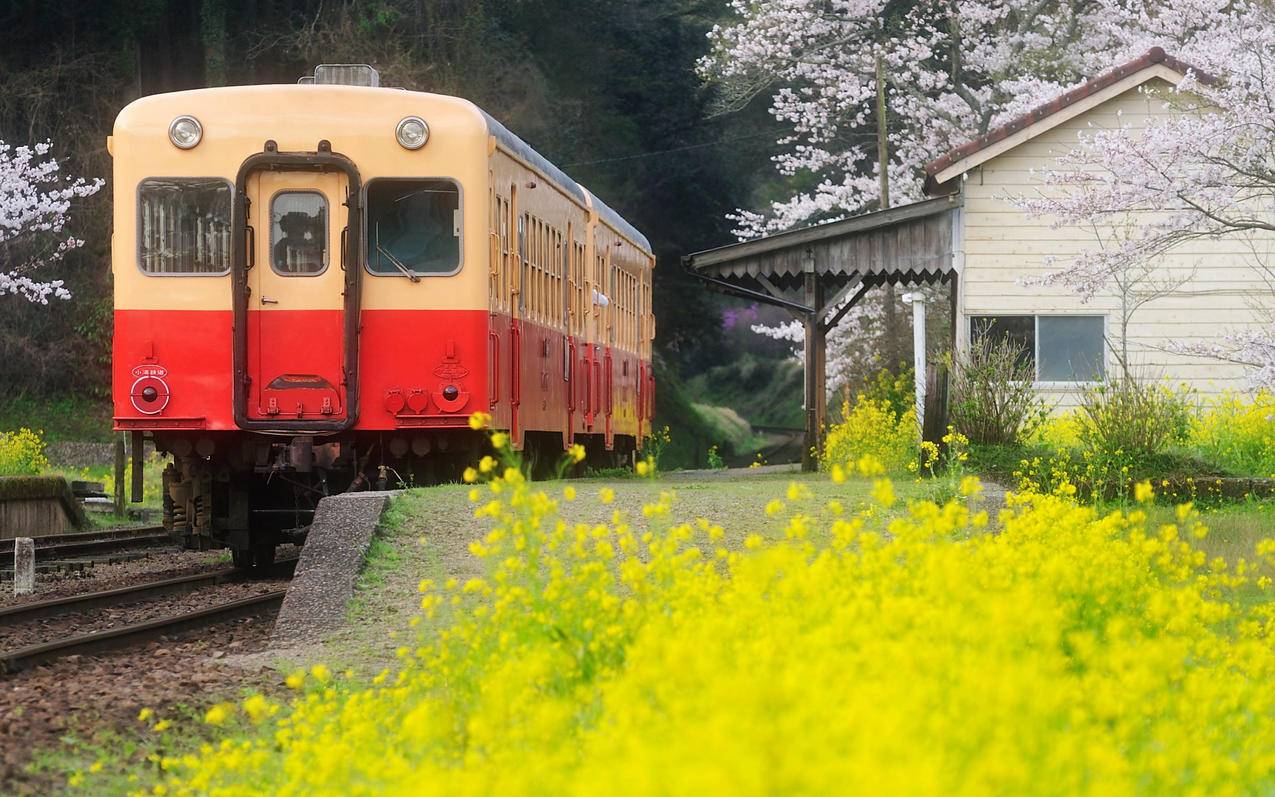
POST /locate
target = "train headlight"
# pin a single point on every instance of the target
(412, 132)
(185, 132)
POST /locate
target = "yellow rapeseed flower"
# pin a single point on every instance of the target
(479, 420)
(470, 475)
(1143, 492)
(970, 485)
(883, 492)
(606, 495)
(499, 440)
(577, 453)
(218, 714)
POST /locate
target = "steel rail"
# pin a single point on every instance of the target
(26, 612)
(13, 615)
(124, 636)
(86, 542)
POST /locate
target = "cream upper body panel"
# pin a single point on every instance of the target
(358, 122)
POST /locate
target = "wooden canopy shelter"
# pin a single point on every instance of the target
(818, 273)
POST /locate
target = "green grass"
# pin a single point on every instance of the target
(427, 532)
(1234, 529)
(152, 481)
(764, 390)
(727, 426)
(60, 418)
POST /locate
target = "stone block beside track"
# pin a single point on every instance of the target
(331, 559)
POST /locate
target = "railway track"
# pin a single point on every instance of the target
(129, 634)
(87, 543)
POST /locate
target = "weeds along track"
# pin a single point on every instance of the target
(35, 633)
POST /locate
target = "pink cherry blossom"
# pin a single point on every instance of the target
(35, 202)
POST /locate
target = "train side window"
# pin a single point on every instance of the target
(183, 225)
(413, 226)
(298, 233)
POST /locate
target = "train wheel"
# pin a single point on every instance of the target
(263, 554)
(254, 558)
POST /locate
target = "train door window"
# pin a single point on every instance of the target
(539, 262)
(564, 254)
(533, 270)
(183, 225)
(298, 233)
(615, 302)
(502, 267)
(413, 227)
(522, 262)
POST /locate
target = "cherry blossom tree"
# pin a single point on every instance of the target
(851, 345)
(1206, 171)
(35, 203)
(952, 70)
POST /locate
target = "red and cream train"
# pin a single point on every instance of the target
(317, 284)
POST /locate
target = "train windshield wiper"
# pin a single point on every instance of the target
(398, 264)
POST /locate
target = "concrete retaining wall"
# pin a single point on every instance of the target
(333, 554)
(32, 506)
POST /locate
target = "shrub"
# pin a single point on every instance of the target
(22, 453)
(895, 388)
(1131, 421)
(1237, 434)
(1058, 431)
(993, 399)
(1069, 653)
(872, 428)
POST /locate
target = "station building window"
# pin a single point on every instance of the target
(183, 225)
(413, 226)
(1059, 348)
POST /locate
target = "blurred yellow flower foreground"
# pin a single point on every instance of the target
(1065, 653)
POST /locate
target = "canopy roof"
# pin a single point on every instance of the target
(908, 244)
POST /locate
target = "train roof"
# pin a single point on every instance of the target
(502, 134)
(525, 151)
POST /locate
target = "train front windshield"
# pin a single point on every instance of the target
(413, 227)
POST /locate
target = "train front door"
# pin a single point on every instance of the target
(295, 298)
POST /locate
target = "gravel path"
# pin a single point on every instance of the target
(156, 565)
(84, 695)
(99, 619)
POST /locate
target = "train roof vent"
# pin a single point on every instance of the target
(344, 75)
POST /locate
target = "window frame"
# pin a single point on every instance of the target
(367, 227)
(327, 231)
(1036, 380)
(137, 211)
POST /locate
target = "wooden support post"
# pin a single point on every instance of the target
(23, 566)
(139, 464)
(119, 475)
(954, 306)
(815, 376)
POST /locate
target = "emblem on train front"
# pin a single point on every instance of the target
(150, 369)
(451, 369)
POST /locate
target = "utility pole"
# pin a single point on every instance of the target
(883, 167)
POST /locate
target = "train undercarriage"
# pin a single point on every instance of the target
(251, 492)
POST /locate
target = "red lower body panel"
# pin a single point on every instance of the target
(434, 368)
